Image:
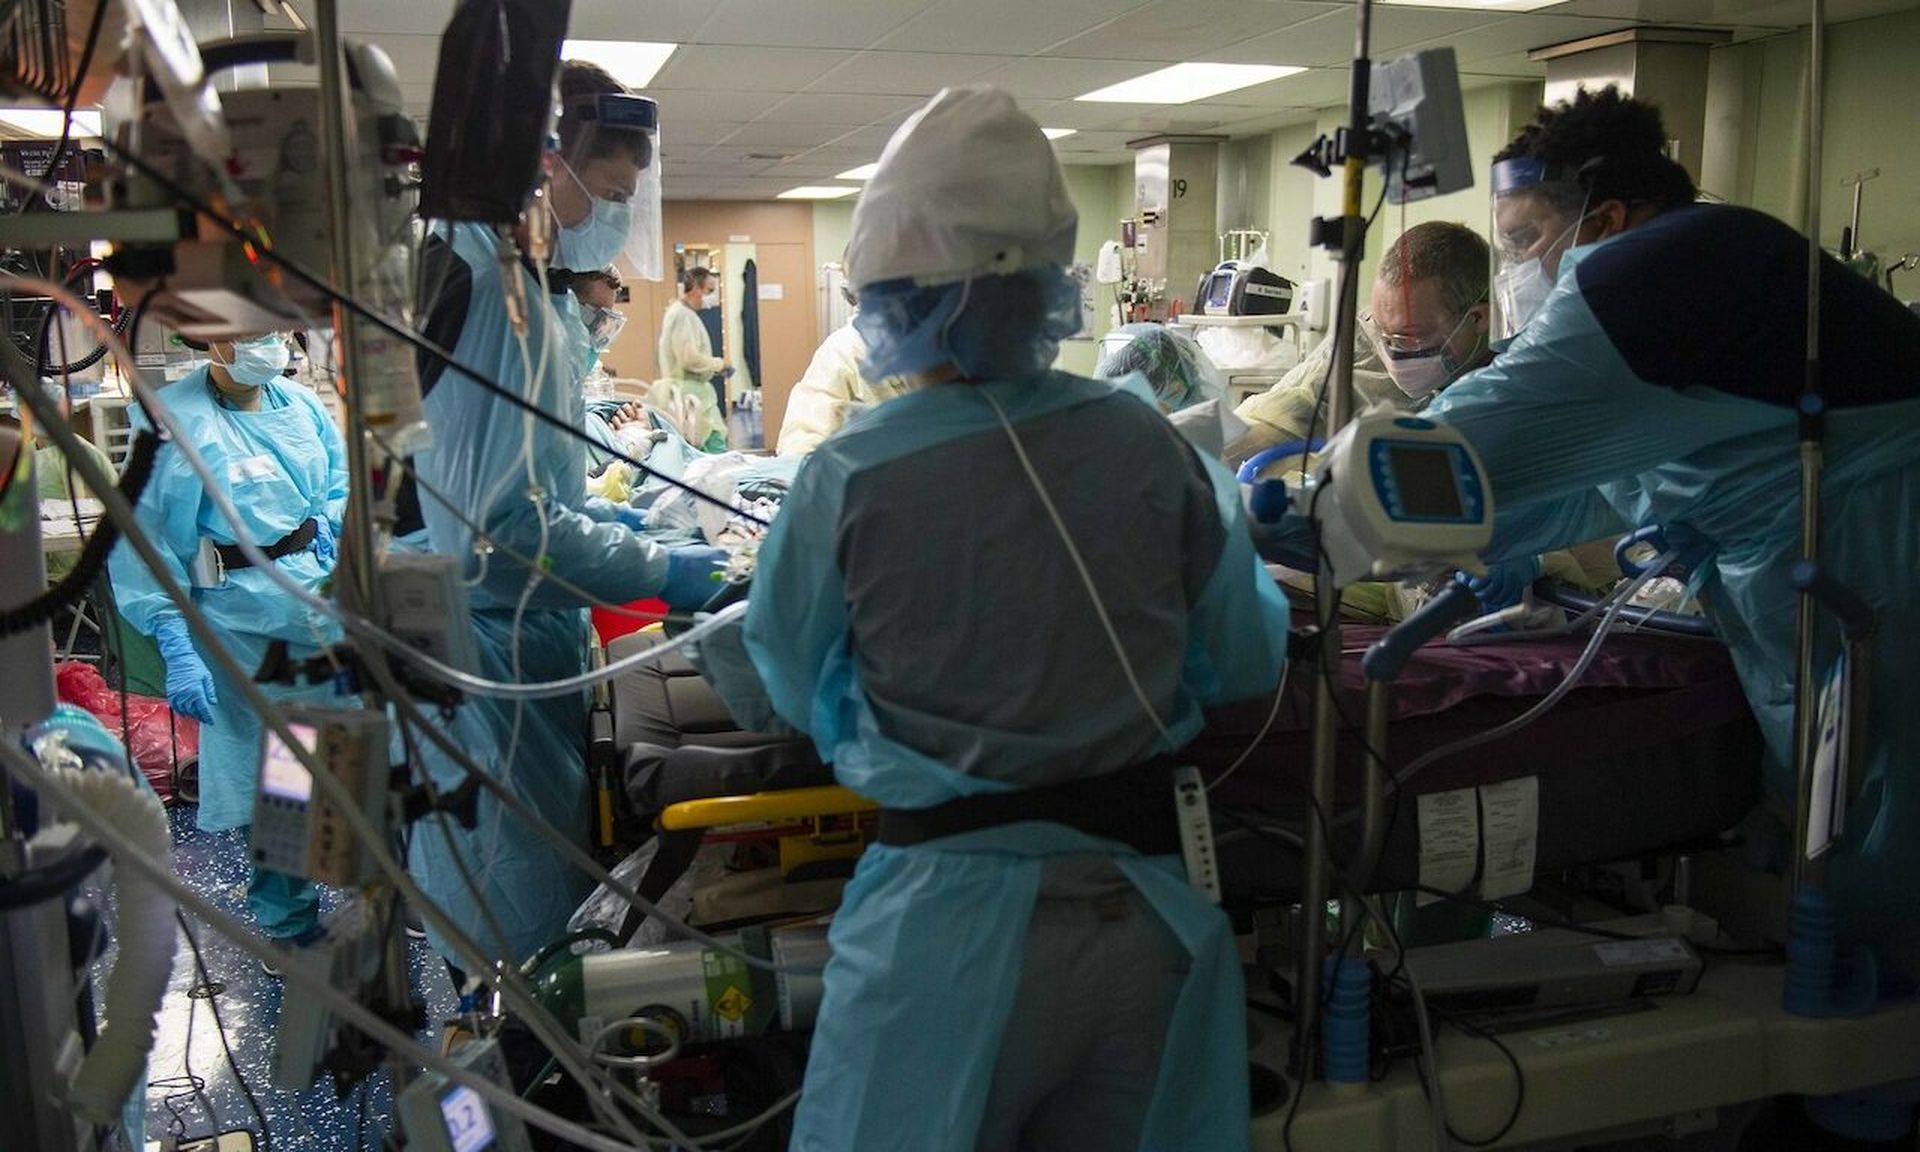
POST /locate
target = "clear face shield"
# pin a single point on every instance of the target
(1535, 220)
(606, 188)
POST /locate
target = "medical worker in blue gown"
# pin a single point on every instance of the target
(523, 481)
(1020, 961)
(1660, 351)
(284, 467)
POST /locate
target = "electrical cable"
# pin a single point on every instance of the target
(42, 344)
(226, 1046)
(1266, 726)
(511, 553)
(73, 93)
(72, 588)
(243, 539)
(1621, 596)
(402, 331)
(339, 1003)
(373, 840)
(579, 858)
(119, 510)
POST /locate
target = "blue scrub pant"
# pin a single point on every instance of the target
(284, 906)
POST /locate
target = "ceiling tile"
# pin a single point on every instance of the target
(1060, 78)
(806, 169)
(907, 73)
(807, 23)
(839, 108)
(1725, 13)
(1523, 33)
(674, 21)
(781, 70)
(1004, 27)
(789, 138)
(684, 105)
(1180, 30)
(1327, 40)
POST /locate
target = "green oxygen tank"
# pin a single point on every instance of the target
(699, 993)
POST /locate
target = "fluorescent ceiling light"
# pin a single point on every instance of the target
(1185, 83)
(1478, 5)
(632, 62)
(816, 192)
(1059, 133)
(48, 121)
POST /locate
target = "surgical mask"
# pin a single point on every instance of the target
(603, 326)
(593, 243)
(257, 361)
(709, 301)
(1420, 376)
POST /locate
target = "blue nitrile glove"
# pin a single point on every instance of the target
(634, 518)
(692, 576)
(1268, 501)
(189, 683)
(326, 547)
(1505, 583)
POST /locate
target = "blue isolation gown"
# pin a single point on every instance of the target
(1657, 386)
(915, 611)
(482, 452)
(281, 465)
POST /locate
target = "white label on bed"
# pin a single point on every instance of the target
(1512, 815)
(1449, 841)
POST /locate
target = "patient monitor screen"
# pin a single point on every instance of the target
(469, 1128)
(1423, 476)
(281, 773)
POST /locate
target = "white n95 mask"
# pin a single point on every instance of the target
(1419, 376)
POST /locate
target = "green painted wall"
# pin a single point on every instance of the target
(832, 222)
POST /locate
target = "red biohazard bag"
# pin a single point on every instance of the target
(155, 738)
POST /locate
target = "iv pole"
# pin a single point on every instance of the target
(357, 555)
(1316, 881)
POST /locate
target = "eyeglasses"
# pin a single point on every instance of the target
(1400, 346)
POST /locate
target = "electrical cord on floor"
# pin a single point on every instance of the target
(211, 994)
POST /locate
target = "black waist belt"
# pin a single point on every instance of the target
(1133, 806)
(298, 540)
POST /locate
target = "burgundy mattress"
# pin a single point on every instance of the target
(1655, 748)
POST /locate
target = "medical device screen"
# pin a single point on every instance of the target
(1423, 476)
(281, 774)
(469, 1128)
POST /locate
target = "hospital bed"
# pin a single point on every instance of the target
(1654, 754)
(1654, 750)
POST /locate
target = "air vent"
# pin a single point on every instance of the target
(782, 158)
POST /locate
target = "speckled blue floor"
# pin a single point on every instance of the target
(193, 1090)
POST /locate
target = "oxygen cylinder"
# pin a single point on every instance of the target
(701, 993)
